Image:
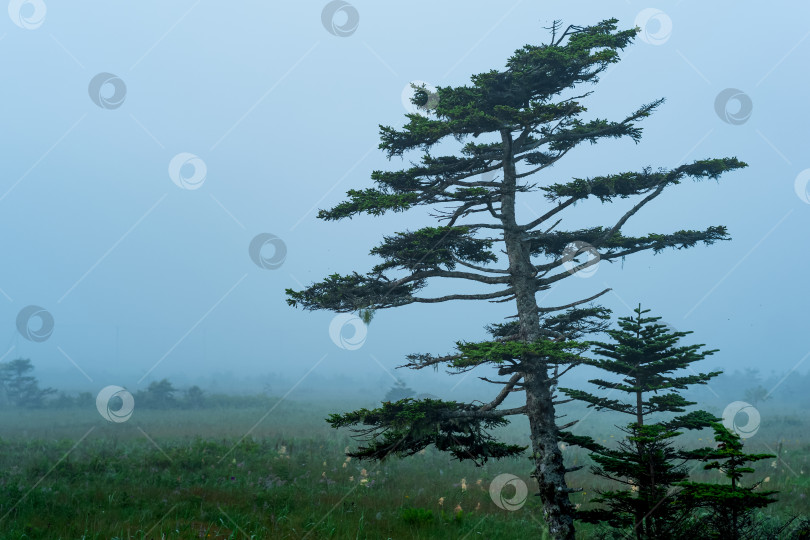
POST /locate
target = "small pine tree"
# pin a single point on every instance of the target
(399, 391)
(727, 509)
(647, 357)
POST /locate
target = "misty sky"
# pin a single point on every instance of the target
(148, 276)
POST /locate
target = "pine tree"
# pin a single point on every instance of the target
(19, 387)
(728, 509)
(524, 124)
(648, 360)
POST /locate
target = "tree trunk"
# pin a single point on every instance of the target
(549, 469)
(547, 457)
(643, 518)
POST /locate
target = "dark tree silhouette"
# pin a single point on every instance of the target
(19, 387)
(525, 118)
(158, 395)
(400, 390)
(646, 364)
(728, 509)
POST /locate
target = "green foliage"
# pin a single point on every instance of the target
(432, 248)
(520, 101)
(353, 293)
(648, 462)
(647, 360)
(416, 516)
(727, 510)
(519, 95)
(618, 245)
(645, 356)
(366, 315)
(369, 201)
(497, 352)
(408, 426)
(120, 483)
(528, 127)
(623, 185)
(508, 355)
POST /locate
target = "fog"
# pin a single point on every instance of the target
(147, 278)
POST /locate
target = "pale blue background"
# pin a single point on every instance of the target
(285, 116)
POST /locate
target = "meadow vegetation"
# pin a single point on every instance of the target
(181, 472)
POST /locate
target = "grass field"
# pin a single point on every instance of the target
(182, 474)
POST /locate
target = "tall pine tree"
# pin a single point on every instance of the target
(525, 118)
(647, 364)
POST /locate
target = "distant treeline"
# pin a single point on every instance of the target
(19, 388)
(785, 388)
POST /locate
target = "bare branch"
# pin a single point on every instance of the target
(630, 212)
(557, 375)
(573, 304)
(498, 294)
(431, 362)
(567, 306)
(479, 268)
(574, 270)
(503, 393)
(563, 401)
(559, 208)
(416, 276)
(487, 414)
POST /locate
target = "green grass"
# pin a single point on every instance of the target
(194, 474)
